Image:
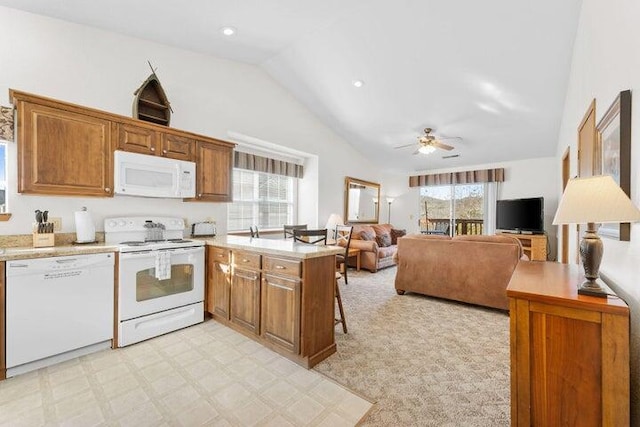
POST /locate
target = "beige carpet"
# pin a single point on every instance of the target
(424, 361)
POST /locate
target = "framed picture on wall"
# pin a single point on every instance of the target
(613, 155)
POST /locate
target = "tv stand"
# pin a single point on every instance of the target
(534, 245)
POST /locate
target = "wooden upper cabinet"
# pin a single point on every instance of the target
(67, 149)
(63, 152)
(137, 139)
(177, 147)
(214, 168)
(143, 140)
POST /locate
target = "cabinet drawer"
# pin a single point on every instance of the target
(220, 254)
(282, 266)
(246, 259)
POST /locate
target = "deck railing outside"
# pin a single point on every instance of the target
(461, 226)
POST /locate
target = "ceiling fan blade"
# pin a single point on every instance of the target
(404, 146)
(441, 145)
(415, 152)
(449, 137)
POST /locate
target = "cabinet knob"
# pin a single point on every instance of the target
(107, 190)
(164, 151)
(200, 195)
(153, 149)
(280, 267)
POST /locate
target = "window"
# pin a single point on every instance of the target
(456, 209)
(262, 199)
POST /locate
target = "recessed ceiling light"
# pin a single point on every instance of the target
(228, 31)
(358, 83)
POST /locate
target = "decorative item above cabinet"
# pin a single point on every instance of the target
(66, 149)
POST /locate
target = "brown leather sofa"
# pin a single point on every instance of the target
(472, 269)
(375, 250)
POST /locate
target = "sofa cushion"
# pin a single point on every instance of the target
(387, 251)
(491, 239)
(367, 235)
(383, 240)
(358, 229)
(395, 233)
(381, 228)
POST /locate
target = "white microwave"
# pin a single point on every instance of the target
(153, 176)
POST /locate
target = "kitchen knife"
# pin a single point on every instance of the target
(45, 216)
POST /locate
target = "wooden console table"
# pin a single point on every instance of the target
(534, 245)
(569, 352)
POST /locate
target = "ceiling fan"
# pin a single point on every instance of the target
(428, 143)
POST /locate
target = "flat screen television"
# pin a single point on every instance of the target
(521, 215)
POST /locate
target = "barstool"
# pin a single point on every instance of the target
(340, 308)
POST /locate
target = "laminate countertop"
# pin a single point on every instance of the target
(28, 252)
(277, 247)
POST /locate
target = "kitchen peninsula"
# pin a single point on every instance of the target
(277, 292)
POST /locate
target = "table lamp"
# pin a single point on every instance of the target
(334, 219)
(597, 199)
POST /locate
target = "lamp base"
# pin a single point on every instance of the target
(592, 288)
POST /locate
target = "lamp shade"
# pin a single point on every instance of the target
(334, 219)
(597, 199)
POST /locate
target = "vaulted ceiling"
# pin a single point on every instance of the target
(493, 72)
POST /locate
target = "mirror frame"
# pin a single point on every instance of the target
(347, 182)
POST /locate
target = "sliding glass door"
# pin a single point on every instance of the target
(453, 209)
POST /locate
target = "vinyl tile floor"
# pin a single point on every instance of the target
(207, 375)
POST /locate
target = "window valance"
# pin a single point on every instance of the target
(257, 163)
(464, 177)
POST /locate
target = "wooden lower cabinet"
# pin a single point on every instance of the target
(285, 303)
(281, 311)
(218, 282)
(569, 352)
(245, 299)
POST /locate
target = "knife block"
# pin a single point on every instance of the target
(43, 240)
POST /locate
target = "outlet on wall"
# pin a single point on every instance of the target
(186, 223)
(57, 223)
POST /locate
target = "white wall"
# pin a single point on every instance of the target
(606, 60)
(209, 96)
(523, 178)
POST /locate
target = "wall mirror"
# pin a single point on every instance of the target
(361, 201)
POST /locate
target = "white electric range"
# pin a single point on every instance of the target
(160, 276)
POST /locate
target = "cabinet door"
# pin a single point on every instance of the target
(61, 152)
(218, 289)
(137, 139)
(214, 163)
(281, 311)
(177, 147)
(245, 299)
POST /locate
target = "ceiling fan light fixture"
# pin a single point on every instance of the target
(358, 83)
(426, 149)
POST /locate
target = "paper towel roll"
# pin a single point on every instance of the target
(85, 228)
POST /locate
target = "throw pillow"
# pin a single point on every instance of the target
(383, 240)
(367, 235)
(395, 233)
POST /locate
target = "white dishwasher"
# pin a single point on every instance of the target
(57, 308)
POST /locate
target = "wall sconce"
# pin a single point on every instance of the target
(389, 201)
